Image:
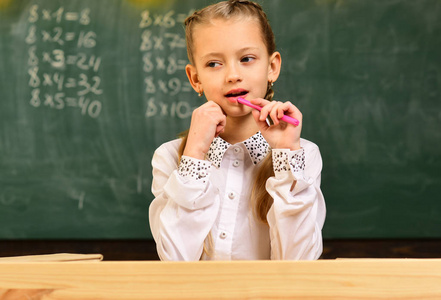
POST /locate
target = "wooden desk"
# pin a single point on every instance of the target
(323, 279)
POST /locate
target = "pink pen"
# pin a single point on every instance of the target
(285, 118)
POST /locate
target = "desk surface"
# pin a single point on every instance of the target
(322, 279)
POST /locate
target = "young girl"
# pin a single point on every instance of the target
(235, 187)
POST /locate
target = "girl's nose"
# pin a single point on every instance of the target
(233, 74)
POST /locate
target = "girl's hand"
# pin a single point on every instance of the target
(280, 135)
(207, 122)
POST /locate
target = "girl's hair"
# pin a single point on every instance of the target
(261, 201)
(227, 10)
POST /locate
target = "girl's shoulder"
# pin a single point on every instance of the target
(308, 145)
(169, 148)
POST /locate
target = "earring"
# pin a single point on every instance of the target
(271, 83)
(200, 93)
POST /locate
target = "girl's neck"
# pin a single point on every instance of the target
(239, 129)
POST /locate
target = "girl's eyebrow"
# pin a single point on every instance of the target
(217, 54)
(246, 49)
(211, 54)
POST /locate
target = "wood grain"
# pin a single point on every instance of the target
(322, 279)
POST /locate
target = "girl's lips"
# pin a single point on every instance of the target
(234, 94)
(233, 99)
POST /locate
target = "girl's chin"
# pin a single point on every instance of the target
(237, 111)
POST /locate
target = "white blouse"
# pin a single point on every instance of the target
(197, 198)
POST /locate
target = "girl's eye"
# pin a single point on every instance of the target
(213, 64)
(247, 59)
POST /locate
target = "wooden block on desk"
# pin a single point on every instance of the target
(58, 257)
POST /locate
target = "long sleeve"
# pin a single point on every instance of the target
(185, 206)
(297, 215)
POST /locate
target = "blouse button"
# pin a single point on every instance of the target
(236, 150)
(231, 195)
(236, 163)
(203, 173)
(223, 235)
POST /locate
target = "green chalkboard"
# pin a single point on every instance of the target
(89, 89)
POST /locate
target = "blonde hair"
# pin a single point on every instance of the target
(261, 201)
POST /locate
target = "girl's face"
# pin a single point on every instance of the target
(231, 61)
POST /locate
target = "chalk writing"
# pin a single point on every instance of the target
(170, 64)
(172, 87)
(58, 15)
(10, 196)
(179, 109)
(163, 63)
(78, 196)
(167, 20)
(60, 76)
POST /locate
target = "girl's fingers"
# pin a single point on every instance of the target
(207, 122)
(275, 110)
(266, 110)
(262, 124)
(288, 109)
(221, 125)
(285, 107)
(293, 111)
(264, 104)
(260, 102)
(280, 134)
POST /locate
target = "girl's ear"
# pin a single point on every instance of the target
(193, 78)
(275, 64)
